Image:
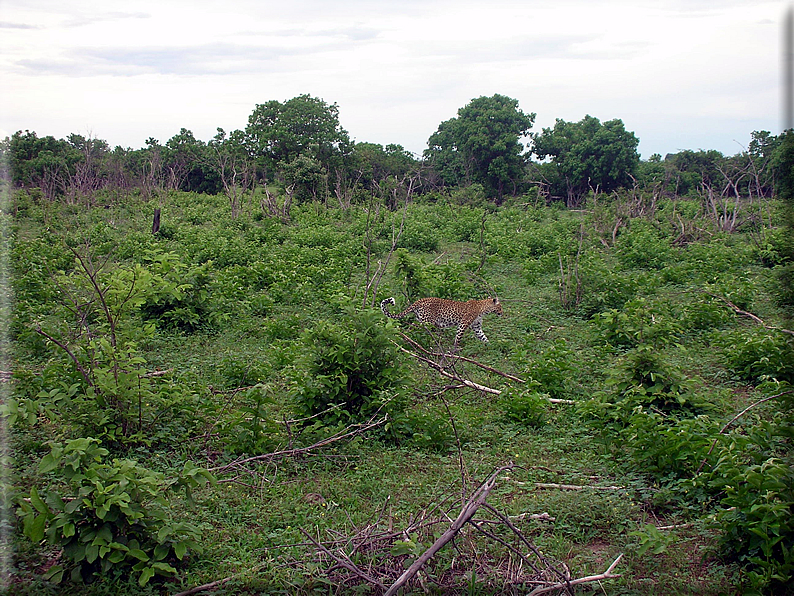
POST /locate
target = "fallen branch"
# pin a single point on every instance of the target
(468, 511)
(206, 587)
(539, 516)
(442, 371)
(471, 384)
(575, 486)
(750, 315)
(734, 419)
(463, 358)
(218, 583)
(157, 373)
(349, 565)
(674, 526)
(583, 580)
(357, 429)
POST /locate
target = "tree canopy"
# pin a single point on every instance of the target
(587, 154)
(280, 132)
(482, 144)
(300, 144)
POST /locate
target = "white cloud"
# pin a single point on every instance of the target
(681, 73)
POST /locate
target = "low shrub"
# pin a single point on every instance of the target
(758, 354)
(525, 406)
(349, 369)
(109, 518)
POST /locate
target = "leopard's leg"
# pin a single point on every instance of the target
(458, 335)
(476, 326)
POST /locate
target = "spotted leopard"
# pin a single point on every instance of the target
(448, 313)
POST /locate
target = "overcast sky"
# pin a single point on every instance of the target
(681, 74)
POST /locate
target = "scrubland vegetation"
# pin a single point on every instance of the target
(215, 404)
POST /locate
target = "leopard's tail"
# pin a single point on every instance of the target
(385, 308)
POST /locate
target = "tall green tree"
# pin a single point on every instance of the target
(482, 144)
(304, 125)
(373, 164)
(182, 162)
(43, 162)
(687, 171)
(588, 154)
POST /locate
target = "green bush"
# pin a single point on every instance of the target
(526, 406)
(668, 449)
(178, 295)
(703, 312)
(430, 431)
(642, 381)
(755, 518)
(419, 237)
(641, 321)
(604, 288)
(411, 271)
(758, 354)
(552, 368)
(250, 427)
(642, 246)
(109, 517)
(350, 369)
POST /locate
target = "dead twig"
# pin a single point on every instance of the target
(157, 373)
(471, 384)
(83, 372)
(575, 486)
(468, 511)
(352, 431)
(750, 315)
(347, 564)
(418, 346)
(583, 580)
(734, 419)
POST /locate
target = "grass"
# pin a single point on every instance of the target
(252, 522)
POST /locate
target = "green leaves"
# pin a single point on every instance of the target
(588, 154)
(482, 144)
(111, 515)
(755, 515)
(351, 364)
(652, 539)
(303, 125)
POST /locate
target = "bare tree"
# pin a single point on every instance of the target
(230, 159)
(272, 206)
(374, 279)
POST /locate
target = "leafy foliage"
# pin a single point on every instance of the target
(111, 517)
(482, 144)
(588, 153)
(527, 406)
(201, 342)
(350, 370)
(758, 355)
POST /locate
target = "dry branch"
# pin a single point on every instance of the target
(80, 369)
(474, 503)
(734, 419)
(471, 384)
(352, 431)
(583, 580)
(349, 565)
(750, 315)
(575, 486)
(463, 358)
(157, 373)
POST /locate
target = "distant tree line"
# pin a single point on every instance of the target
(300, 145)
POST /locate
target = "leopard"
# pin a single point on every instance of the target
(448, 313)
